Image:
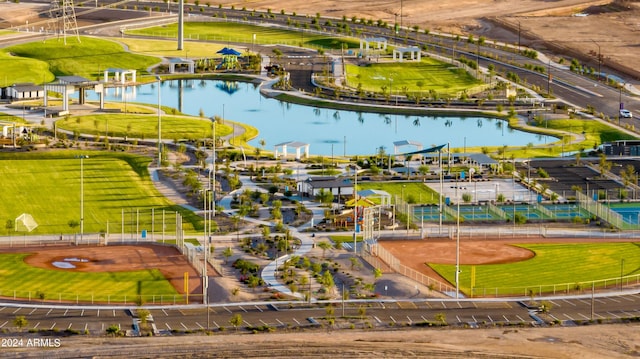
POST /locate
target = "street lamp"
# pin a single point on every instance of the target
(82, 157)
(159, 125)
(518, 35)
(620, 86)
(599, 60)
(621, 271)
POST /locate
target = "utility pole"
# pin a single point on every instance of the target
(518, 35)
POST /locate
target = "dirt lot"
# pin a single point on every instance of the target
(587, 342)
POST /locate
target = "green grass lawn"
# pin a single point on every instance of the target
(10, 118)
(143, 126)
(88, 59)
(566, 263)
(241, 33)
(343, 239)
(190, 49)
(402, 77)
(47, 186)
(16, 69)
(595, 131)
(28, 281)
(325, 172)
(414, 192)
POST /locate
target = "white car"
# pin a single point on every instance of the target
(626, 113)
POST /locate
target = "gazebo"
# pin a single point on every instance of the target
(413, 51)
(229, 58)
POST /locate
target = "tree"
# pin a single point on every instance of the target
(236, 320)
(324, 196)
(327, 279)
(628, 175)
(20, 322)
(228, 252)
(355, 263)
(330, 310)
(143, 315)
(604, 165)
(362, 311)
(253, 282)
(377, 273)
(324, 245)
(114, 330)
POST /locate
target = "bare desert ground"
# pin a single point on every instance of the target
(588, 342)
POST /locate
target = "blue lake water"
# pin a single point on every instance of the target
(327, 131)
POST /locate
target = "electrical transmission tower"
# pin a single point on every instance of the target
(63, 19)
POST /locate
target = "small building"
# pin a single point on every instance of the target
(622, 148)
(338, 186)
(23, 91)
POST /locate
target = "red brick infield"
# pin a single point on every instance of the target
(118, 258)
(416, 253)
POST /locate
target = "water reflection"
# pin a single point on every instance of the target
(359, 132)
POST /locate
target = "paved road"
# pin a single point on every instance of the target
(95, 319)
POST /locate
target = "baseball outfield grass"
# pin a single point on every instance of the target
(118, 192)
(24, 281)
(567, 265)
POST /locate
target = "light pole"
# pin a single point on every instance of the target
(620, 101)
(159, 125)
(458, 250)
(82, 157)
(212, 172)
(518, 35)
(621, 271)
(599, 60)
(401, 13)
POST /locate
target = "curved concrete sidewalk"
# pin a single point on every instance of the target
(269, 273)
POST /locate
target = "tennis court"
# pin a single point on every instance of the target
(531, 212)
(630, 212)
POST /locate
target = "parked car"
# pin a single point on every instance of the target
(626, 113)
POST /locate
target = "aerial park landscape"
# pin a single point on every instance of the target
(479, 177)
